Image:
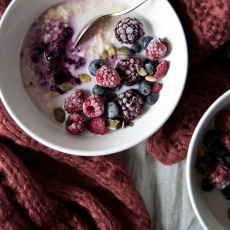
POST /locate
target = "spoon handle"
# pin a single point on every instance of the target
(92, 21)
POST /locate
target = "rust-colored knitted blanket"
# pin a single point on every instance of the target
(41, 188)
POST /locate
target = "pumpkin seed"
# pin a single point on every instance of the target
(150, 78)
(124, 51)
(117, 122)
(129, 124)
(141, 71)
(85, 77)
(53, 94)
(111, 96)
(201, 152)
(229, 213)
(105, 55)
(59, 114)
(110, 124)
(218, 159)
(66, 86)
(112, 51)
(123, 125)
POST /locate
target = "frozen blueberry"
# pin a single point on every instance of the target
(150, 83)
(226, 159)
(144, 89)
(136, 47)
(146, 41)
(120, 122)
(94, 66)
(206, 185)
(208, 157)
(115, 88)
(99, 90)
(151, 99)
(111, 109)
(150, 66)
(219, 151)
(211, 138)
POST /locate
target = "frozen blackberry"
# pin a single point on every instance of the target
(129, 30)
(131, 104)
(127, 69)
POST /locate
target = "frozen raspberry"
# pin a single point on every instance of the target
(74, 102)
(129, 30)
(156, 87)
(131, 104)
(156, 49)
(75, 123)
(223, 121)
(225, 140)
(97, 125)
(127, 68)
(107, 76)
(218, 174)
(93, 106)
(162, 69)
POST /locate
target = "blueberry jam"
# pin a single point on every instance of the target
(57, 61)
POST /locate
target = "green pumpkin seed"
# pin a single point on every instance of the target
(59, 114)
(53, 94)
(110, 124)
(85, 77)
(124, 51)
(218, 159)
(111, 96)
(105, 55)
(67, 86)
(112, 51)
(150, 78)
(141, 71)
(129, 124)
(123, 125)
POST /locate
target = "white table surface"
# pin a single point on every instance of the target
(163, 189)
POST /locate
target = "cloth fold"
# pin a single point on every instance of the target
(206, 24)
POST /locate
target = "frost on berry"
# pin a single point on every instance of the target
(162, 69)
(74, 101)
(75, 123)
(222, 121)
(107, 76)
(93, 106)
(97, 125)
(218, 174)
(127, 68)
(129, 30)
(156, 49)
(131, 104)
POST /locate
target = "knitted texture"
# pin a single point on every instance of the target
(206, 24)
(41, 188)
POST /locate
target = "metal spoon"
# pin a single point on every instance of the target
(92, 21)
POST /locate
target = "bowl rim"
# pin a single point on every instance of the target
(106, 151)
(190, 155)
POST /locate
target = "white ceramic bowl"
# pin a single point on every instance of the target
(14, 24)
(211, 208)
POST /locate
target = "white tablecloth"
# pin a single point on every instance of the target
(163, 189)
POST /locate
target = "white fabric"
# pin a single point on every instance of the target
(163, 189)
